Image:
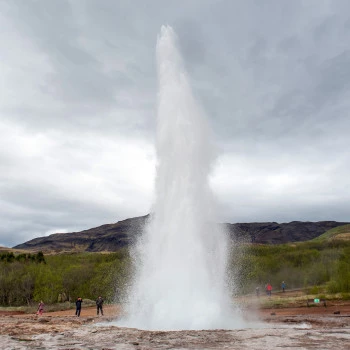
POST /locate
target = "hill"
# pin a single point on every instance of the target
(274, 233)
(337, 233)
(111, 237)
(12, 250)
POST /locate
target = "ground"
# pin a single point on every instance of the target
(290, 327)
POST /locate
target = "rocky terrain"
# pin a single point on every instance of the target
(288, 328)
(274, 233)
(111, 237)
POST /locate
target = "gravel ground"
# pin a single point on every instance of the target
(290, 328)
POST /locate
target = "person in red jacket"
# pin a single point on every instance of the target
(269, 289)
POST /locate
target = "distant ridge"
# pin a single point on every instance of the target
(111, 237)
(274, 233)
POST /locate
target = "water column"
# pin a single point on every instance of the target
(180, 279)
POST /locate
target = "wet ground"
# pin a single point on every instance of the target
(288, 328)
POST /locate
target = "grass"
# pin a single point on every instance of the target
(33, 308)
(48, 307)
(340, 232)
(24, 309)
(282, 302)
(276, 301)
(279, 300)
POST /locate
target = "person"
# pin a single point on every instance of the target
(283, 285)
(99, 304)
(78, 306)
(257, 291)
(269, 289)
(40, 308)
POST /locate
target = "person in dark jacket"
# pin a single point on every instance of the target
(78, 306)
(99, 304)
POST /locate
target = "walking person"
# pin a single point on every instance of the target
(99, 304)
(78, 306)
(40, 308)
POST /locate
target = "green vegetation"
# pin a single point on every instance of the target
(340, 232)
(320, 266)
(10, 257)
(62, 277)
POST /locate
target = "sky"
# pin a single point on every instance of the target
(78, 91)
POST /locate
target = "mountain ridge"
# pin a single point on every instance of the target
(111, 237)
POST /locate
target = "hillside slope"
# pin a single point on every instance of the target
(337, 233)
(274, 233)
(111, 237)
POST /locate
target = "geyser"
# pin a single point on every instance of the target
(180, 279)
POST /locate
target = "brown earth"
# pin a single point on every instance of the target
(290, 327)
(14, 322)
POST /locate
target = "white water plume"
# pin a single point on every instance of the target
(181, 277)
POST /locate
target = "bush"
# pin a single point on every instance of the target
(300, 265)
(58, 278)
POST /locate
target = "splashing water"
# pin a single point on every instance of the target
(181, 279)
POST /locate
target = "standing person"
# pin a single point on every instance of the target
(78, 306)
(269, 289)
(40, 308)
(99, 304)
(283, 285)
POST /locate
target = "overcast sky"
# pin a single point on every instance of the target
(78, 90)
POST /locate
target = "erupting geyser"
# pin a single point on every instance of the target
(180, 280)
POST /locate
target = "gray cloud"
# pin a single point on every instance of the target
(78, 97)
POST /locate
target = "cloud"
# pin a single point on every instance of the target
(78, 99)
(51, 178)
